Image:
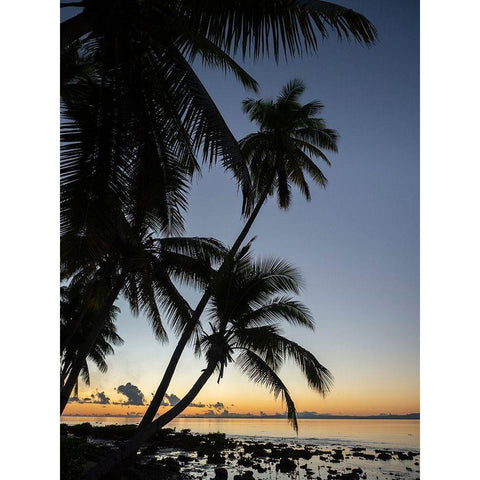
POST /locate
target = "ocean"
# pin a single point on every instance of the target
(378, 433)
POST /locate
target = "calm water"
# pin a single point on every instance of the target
(403, 434)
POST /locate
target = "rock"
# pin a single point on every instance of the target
(259, 468)
(221, 474)
(350, 476)
(338, 455)
(215, 459)
(170, 465)
(384, 456)
(286, 465)
(245, 462)
(184, 458)
(149, 450)
(366, 456)
(261, 452)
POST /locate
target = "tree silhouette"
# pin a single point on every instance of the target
(249, 300)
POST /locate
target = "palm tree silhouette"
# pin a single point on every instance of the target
(70, 303)
(249, 300)
(132, 60)
(278, 155)
(144, 273)
(135, 114)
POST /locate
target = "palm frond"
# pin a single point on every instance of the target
(280, 308)
(319, 377)
(259, 372)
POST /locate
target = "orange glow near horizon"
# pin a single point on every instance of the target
(337, 403)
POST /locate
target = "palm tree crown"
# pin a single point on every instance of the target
(249, 300)
(280, 153)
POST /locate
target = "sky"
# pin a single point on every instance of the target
(356, 243)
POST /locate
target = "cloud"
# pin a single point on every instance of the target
(133, 394)
(98, 398)
(217, 406)
(197, 405)
(172, 399)
(102, 398)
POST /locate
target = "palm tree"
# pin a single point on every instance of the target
(278, 155)
(249, 299)
(112, 204)
(103, 344)
(281, 152)
(144, 273)
(145, 90)
(136, 103)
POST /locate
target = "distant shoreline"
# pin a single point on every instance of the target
(410, 416)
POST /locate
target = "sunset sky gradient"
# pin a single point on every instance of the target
(356, 243)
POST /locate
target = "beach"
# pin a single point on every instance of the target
(246, 449)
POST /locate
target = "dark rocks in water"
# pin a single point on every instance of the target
(248, 475)
(184, 459)
(358, 449)
(349, 476)
(245, 462)
(148, 450)
(260, 452)
(357, 470)
(221, 474)
(409, 469)
(167, 466)
(338, 455)
(286, 465)
(366, 456)
(231, 456)
(384, 456)
(404, 456)
(259, 468)
(331, 471)
(215, 459)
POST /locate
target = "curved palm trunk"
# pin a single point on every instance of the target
(147, 427)
(188, 331)
(130, 449)
(87, 345)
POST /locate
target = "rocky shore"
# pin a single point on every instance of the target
(182, 455)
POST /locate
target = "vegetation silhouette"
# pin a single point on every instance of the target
(249, 299)
(137, 123)
(134, 111)
(145, 280)
(275, 156)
